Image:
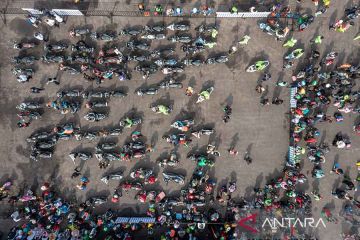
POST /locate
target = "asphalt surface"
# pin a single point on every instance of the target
(264, 131)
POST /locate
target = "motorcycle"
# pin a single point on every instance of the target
(118, 94)
(53, 58)
(44, 144)
(58, 47)
(191, 50)
(83, 156)
(146, 70)
(171, 83)
(69, 93)
(258, 66)
(105, 146)
(161, 109)
(329, 58)
(219, 59)
(91, 136)
(192, 62)
(95, 117)
(148, 91)
(103, 36)
(23, 75)
(24, 45)
(96, 104)
(29, 114)
(202, 132)
(178, 27)
(201, 160)
(172, 161)
(35, 154)
(130, 32)
(69, 69)
(141, 173)
(28, 105)
(110, 60)
(126, 186)
(172, 177)
(297, 53)
(110, 51)
(167, 62)
(162, 52)
(79, 32)
(177, 139)
(205, 95)
(39, 136)
(137, 57)
(180, 39)
(153, 36)
(172, 69)
(112, 176)
(183, 125)
(156, 28)
(26, 60)
(95, 201)
(81, 46)
(304, 21)
(98, 94)
(138, 45)
(79, 58)
(205, 28)
(128, 123)
(211, 149)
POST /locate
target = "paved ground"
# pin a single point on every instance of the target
(263, 130)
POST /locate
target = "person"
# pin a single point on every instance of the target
(189, 91)
(83, 183)
(259, 88)
(277, 101)
(36, 89)
(336, 169)
(233, 152)
(247, 158)
(23, 124)
(264, 101)
(159, 9)
(141, 7)
(290, 43)
(76, 173)
(234, 10)
(53, 80)
(260, 65)
(244, 40)
(357, 37)
(317, 40)
(317, 195)
(281, 83)
(266, 77)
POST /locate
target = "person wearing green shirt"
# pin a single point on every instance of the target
(317, 40)
(290, 43)
(244, 40)
(234, 9)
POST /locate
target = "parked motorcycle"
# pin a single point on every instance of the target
(39, 136)
(83, 156)
(173, 177)
(96, 104)
(57, 47)
(162, 52)
(81, 46)
(166, 62)
(126, 186)
(36, 154)
(26, 60)
(192, 62)
(172, 69)
(137, 57)
(79, 32)
(180, 38)
(178, 27)
(95, 117)
(141, 173)
(29, 114)
(113, 176)
(69, 93)
(202, 132)
(98, 94)
(156, 28)
(53, 58)
(258, 66)
(28, 105)
(171, 83)
(191, 50)
(105, 146)
(172, 161)
(153, 36)
(128, 123)
(24, 45)
(161, 109)
(130, 32)
(148, 91)
(183, 125)
(137, 45)
(23, 74)
(107, 37)
(218, 59)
